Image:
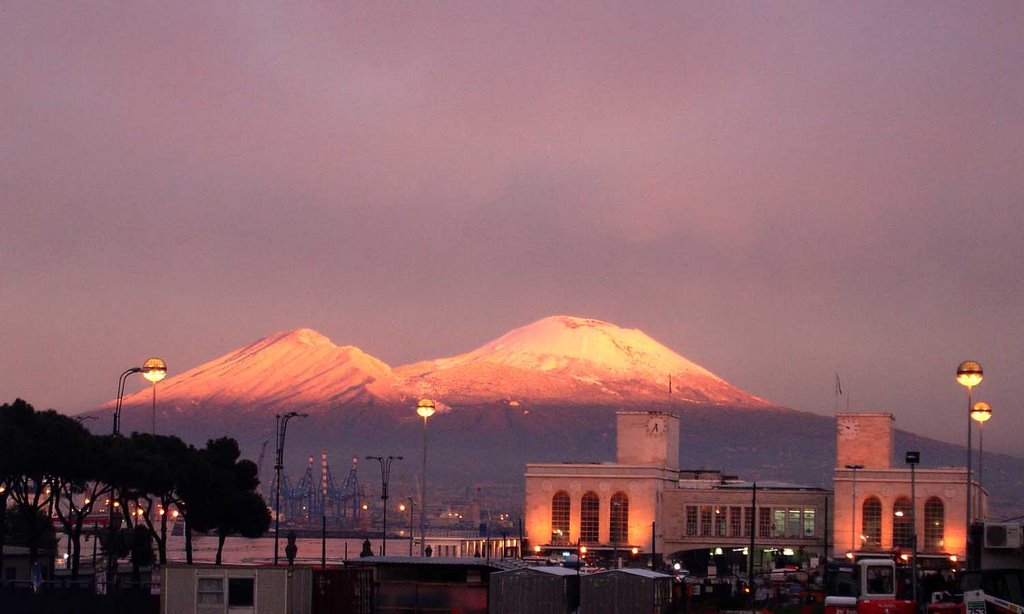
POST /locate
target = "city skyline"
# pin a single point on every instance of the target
(779, 193)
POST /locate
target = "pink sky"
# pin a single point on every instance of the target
(777, 191)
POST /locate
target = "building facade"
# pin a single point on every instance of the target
(881, 506)
(644, 501)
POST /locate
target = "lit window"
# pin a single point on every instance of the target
(902, 524)
(809, 522)
(590, 517)
(934, 525)
(619, 517)
(560, 518)
(871, 520)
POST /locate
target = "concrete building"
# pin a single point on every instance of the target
(875, 510)
(644, 501)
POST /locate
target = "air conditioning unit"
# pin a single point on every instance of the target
(1002, 535)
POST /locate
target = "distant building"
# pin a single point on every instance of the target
(644, 501)
(877, 516)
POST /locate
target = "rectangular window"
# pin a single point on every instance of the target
(748, 523)
(241, 592)
(794, 529)
(735, 521)
(210, 591)
(691, 520)
(764, 522)
(779, 523)
(705, 520)
(720, 521)
(809, 522)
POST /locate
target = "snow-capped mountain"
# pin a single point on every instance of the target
(298, 369)
(563, 359)
(556, 360)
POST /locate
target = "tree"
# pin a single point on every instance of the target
(76, 497)
(41, 454)
(150, 476)
(219, 494)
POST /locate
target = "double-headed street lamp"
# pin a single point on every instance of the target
(385, 476)
(425, 408)
(969, 374)
(282, 429)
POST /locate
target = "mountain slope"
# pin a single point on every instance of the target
(571, 360)
(297, 369)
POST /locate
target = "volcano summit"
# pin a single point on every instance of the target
(557, 360)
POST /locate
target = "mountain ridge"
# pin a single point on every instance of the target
(558, 359)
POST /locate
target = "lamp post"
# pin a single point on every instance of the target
(913, 458)
(412, 510)
(385, 476)
(969, 374)
(425, 408)
(120, 397)
(154, 370)
(853, 509)
(111, 557)
(282, 429)
(980, 413)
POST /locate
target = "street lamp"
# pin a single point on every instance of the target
(154, 370)
(425, 408)
(913, 458)
(969, 375)
(282, 429)
(412, 512)
(385, 476)
(111, 558)
(980, 413)
(853, 509)
(120, 397)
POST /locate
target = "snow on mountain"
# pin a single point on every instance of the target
(290, 369)
(557, 360)
(568, 359)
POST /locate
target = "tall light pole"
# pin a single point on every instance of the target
(412, 510)
(154, 370)
(913, 458)
(385, 476)
(111, 557)
(980, 413)
(853, 509)
(282, 429)
(969, 374)
(120, 397)
(425, 408)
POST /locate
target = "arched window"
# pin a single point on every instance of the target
(902, 524)
(871, 523)
(590, 517)
(934, 525)
(619, 527)
(560, 518)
